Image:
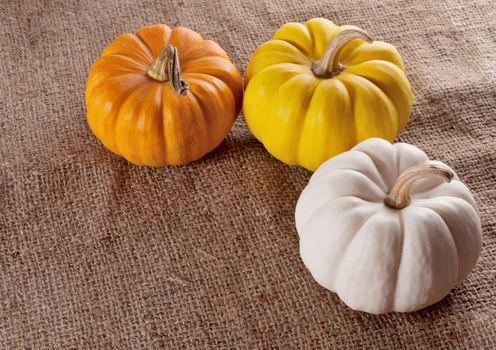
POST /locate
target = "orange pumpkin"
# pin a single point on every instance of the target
(162, 96)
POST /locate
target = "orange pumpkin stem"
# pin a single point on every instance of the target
(166, 68)
(328, 66)
(399, 196)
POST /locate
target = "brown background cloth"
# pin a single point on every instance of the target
(96, 253)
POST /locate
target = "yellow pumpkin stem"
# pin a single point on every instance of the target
(328, 66)
(166, 68)
(399, 196)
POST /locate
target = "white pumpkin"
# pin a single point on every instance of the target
(387, 229)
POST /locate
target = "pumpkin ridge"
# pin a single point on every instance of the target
(344, 250)
(379, 186)
(142, 65)
(343, 56)
(282, 65)
(322, 30)
(373, 60)
(201, 78)
(277, 47)
(400, 259)
(161, 136)
(300, 119)
(119, 71)
(298, 47)
(397, 157)
(217, 62)
(140, 35)
(324, 87)
(316, 175)
(377, 83)
(394, 58)
(293, 26)
(351, 92)
(358, 172)
(110, 79)
(421, 200)
(139, 118)
(227, 78)
(237, 94)
(143, 44)
(289, 58)
(152, 93)
(124, 149)
(394, 118)
(330, 201)
(275, 76)
(120, 47)
(298, 136)
(312, 39)
(217, 85)
(116, 111)
(263, 49)
(200, 49)
(205, 122)
(470, 200)
(474, 210)
(375, 164)
(457, 260)
(377, 202)
(388, 99)
(91, 86)
(352, 112)
(185, 61)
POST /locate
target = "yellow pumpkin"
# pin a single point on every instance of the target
(317, 89)
(162, 96)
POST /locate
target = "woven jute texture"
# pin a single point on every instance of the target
(96, 253)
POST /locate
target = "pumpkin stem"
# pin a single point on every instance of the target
(399, 196)
(328, 66)
(166, 68)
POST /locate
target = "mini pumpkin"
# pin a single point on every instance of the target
(162, 96)
(387, 229)
(317, 89)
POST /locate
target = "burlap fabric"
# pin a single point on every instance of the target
(96, 253)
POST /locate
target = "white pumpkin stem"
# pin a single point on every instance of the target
(328, 66)
(166, 68)
(399, 196)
